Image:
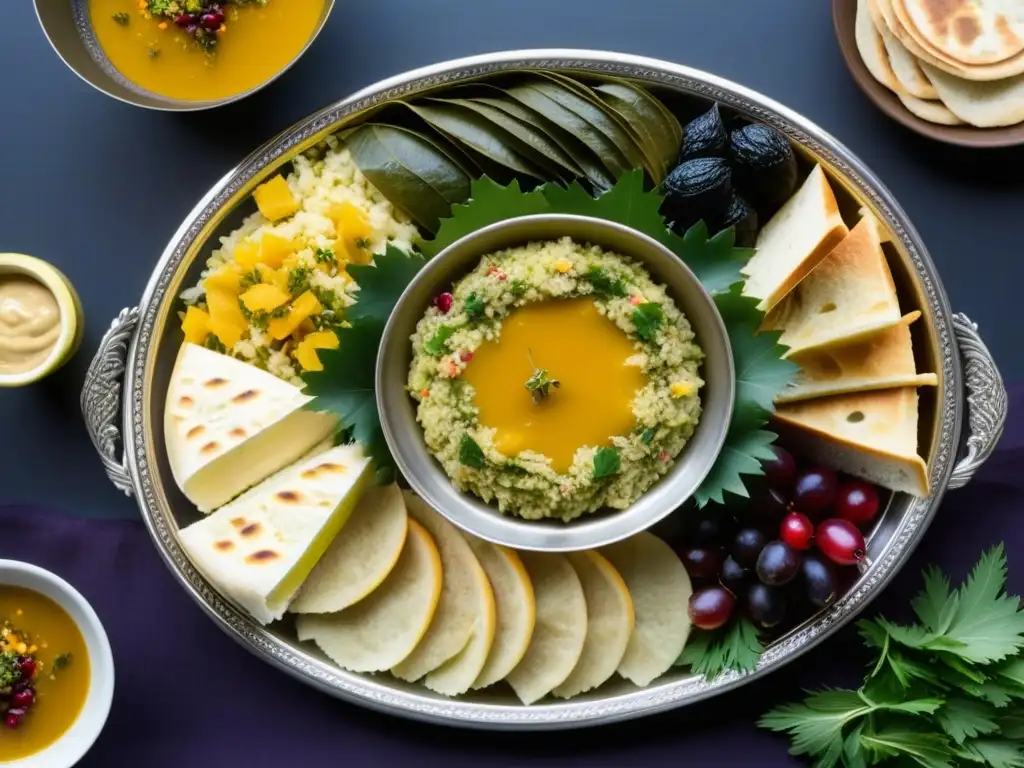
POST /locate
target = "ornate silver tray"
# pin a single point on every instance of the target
(124, 393)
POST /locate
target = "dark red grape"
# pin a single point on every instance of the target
(747, 546)
(27, 666)
(711, 607)
(767, 508)
(12, 721)
(23, 699)
(840, 541)
(766, 605)
(777, 564)
(732, 575)
(708, 528)
(780, 471)
(821, 581)
(815, 490)
(701, 562)
(797, 530)
(857, 502)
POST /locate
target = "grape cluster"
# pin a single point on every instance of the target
(784, 549)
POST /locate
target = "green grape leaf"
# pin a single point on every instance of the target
(742, 454)
(382, 283)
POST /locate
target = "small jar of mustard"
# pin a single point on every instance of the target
(40, 319)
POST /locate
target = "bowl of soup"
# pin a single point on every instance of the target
(56, 670)
(181, 55)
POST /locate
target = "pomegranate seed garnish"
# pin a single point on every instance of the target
(466, 356)
(636, 301)
(23, 699)
(12, 721)
(444, 302)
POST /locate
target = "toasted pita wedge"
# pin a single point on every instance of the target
(883, 234)
(516, 607)
(794, 241)
(375, 634)
(560, 631)
(871, 435)
(464, 593)
(361, 557)
(881, 361)
(610, 622)
(661, 589)
(849, 295)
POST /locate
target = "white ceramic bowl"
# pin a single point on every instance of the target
(76, 741)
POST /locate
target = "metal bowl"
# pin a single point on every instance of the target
(427, 476)
(961, 420)
(67, 26)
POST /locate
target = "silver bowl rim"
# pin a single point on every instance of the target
(586, 532)
(163, 103)
(135, 329)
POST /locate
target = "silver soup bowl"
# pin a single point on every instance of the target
(426, 475)
(68, 27)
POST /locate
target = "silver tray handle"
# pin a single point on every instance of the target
(986, 400)
(101, 396)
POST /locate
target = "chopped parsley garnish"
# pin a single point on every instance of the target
(648, 435)
(325, 296)
(474, 307)
(606, 462)
(514, 469)
(604, 285)
(648, 318)
(325, 256)
(213, 343)
(540, 383)
(10, 672)
(324, 319)
(153, 51)
(362, 243)
(251, 278)
(62, 661)
(518, 288)
(121, 18)
(298, 281)
(470, 454)
(435, 345)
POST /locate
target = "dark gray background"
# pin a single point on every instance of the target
(97, 187)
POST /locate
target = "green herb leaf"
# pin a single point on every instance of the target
(325, 256)
(518, 288)
(436, 344)
(735, 646)
(965, 719)
(935, 607)
(604, 285)
(816, 725)
(470, 453)
(930, 750)
(648, 319)
(475, 307)
(647, 436)
(345, 386)
(62, 661)
(606, 462)
(997, 753)
(489, 203)
(382, 283)
(411, 170)
(742, 454)
(121, 18)
(298, 281)
(1011, 726)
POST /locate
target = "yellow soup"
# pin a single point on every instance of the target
(579, 347)
(254, 43)
(36, 627)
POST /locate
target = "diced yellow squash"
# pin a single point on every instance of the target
(305, 327)
(322, 340)
(227, 278)
(274, 199)
(303, 307)
(353, 233)
(291, 261)
(308, 358)
(196, 325)
(247, 254)
(264, 298)
(276, 277)
(227, 322)
(274, 249)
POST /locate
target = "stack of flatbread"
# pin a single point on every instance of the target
(949, 61)
(829, 291)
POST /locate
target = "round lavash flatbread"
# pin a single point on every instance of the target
(932, 111)
(360, 557)
(661, 589)
(985, 105)
(560, 630)
(464, 590)
(515, 605)
(378, 632)
(872, 49)
(972, 32)
(906, 67)
(610, 623)
(886, 10)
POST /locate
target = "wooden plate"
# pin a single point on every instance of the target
(844, 15)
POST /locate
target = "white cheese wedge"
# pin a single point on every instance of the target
(228, 425)
(258, 549)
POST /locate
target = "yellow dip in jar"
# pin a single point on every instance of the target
(29, 323)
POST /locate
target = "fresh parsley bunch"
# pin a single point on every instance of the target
(948, 691)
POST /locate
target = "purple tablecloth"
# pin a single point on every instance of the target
(187, 695)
